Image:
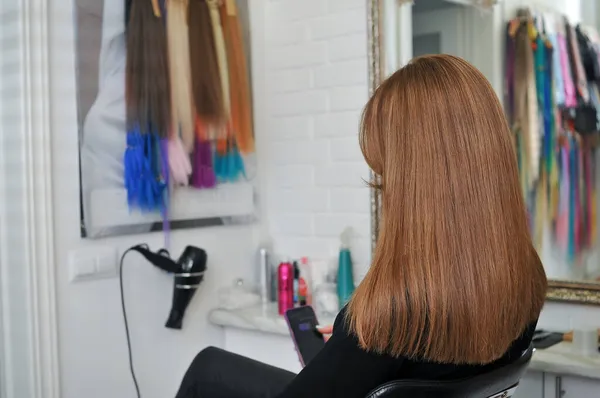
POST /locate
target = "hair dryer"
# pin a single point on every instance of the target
(188, 274)
(191, 266)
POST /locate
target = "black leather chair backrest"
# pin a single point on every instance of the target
(499, 383)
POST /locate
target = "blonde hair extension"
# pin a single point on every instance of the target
(180, 72)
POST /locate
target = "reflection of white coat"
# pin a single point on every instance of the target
(104, 132)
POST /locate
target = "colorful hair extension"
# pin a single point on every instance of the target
(206, 86)
(241, 109)
(147, 74)
(203, 175)
(179, 161)
(145, 172)
(180, 74)
(147, 97)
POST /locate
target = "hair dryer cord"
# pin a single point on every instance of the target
(188, 273)
(131, 369)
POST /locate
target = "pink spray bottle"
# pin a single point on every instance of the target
(285, 287)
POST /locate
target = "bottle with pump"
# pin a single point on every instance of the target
(345, 277)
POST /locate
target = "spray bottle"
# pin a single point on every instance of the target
(285, 287)
(345, 277)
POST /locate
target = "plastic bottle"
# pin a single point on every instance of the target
(345, 277)
(324, 294)
(296, 281)
(285, 287)
(305, 283)
(264, 275)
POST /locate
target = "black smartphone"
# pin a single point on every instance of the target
(302, 323)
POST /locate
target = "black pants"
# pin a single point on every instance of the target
(216, 373)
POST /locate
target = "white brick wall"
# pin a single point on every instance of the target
(316, 86)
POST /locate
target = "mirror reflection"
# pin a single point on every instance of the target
(543, 62)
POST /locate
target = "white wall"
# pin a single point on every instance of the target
(316, 63)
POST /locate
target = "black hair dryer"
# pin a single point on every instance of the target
(191, 267)
(188, 274)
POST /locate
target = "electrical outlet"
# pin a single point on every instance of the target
(92, 263)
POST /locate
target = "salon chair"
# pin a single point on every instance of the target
(218, 373)
(500, 383)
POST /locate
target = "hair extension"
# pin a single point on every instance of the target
(206, 86)
(179, 162)
(145, 172)
(147, 98)
(215, 20)
(203, 175)
(180, 73)
(147, 73)
(241, 108)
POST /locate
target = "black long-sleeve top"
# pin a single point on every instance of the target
(342, 369)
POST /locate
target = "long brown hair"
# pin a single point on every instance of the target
(147, 88)
(206, 80)
(455, 277)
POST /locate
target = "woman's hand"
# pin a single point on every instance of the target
(325, 331)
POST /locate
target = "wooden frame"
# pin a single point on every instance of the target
(565, 291)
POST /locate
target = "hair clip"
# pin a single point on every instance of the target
(230, 8)
(213, 3)
(156, 8)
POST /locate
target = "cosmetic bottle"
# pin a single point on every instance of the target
(274, 269)
(265, 275)
(305, 283)
(296, 281)
(345, 277)
(324, 296)
(285, 287)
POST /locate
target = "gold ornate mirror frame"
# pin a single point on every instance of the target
(566, 291)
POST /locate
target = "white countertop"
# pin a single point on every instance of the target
(563, 359)
(558, 359)
(262, 318)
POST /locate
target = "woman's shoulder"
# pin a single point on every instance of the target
(341, 326)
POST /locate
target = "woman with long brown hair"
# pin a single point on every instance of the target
(455, 287)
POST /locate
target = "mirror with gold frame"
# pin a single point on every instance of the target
(401, 29)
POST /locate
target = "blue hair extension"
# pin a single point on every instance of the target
(133, 161)
(239, 162)
(233, 164)
(164, 157)
(219, 166)
(144, 179)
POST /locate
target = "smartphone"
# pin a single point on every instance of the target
(302, 323)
